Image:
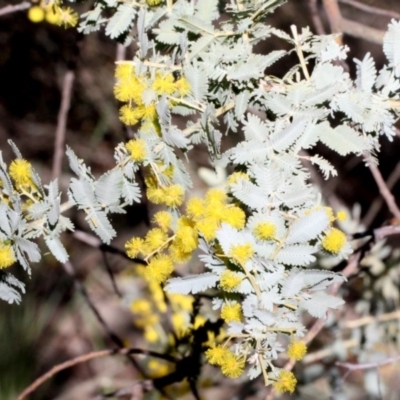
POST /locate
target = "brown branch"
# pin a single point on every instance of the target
(332, 11)
(339, 24)
(377, 203)
(371, 9)
(370, 320)
(384, 190)
(62, 123)
(361, 31)
(13, 8)
(316, 18)
(85, 358)
(357, 367)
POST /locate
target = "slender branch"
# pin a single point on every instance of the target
(377, 203)
(384, 190)
(87, 357)
(299, 52)
(370, 320)
(13, 8)
(62, 123)
(332, 11)
(357, 367)
(339, 24)
(371, 9)
(316, 18)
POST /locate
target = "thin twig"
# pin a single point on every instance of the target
(377, 203)
(13, 8)
(339, 24)
(384, 190)
(62, 123)
(316, 18)
(69, 268)
(85, 358)
(357, 323)
(335, 18)
(357, 367)
(371, 9)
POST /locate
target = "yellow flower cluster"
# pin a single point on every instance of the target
(334, 241)
(212, 211)
(231, 365)
(161, 248)
(297, 350)
(229, 280)
(137, 149)
(7, 257)
(20, 172)
(148, 313)
(265, 231)
(286, 382)
(53, 13)
(231, 312)
(130, 87)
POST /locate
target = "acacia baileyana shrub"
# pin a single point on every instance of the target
(259, 236)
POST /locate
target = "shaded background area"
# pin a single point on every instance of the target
(54, 322)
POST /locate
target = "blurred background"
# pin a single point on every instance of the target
(55, 321)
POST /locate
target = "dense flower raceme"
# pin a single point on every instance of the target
(141, 92)
(259, 235)
(54, 13)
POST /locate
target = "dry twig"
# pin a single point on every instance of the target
(371, 9)
(384, 190)
(85, 358)
(13, 8)
(62, 123)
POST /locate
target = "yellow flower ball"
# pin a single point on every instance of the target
(36, 14)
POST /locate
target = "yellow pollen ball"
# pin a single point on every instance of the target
(159, 269)
(153, 3)
(67, 17)
(137, 149)
(7, 257)
(236, 177)
(231, 312)
(124, 70)
(229, 280)
(155, 195)
(155, 239)
(134, 246)
(208, 228)
(195, 208)
(334, 241)
(151, 334)
(36, 14)
(164, 84)
(52, 16)
(341, 216)
(183, 86)
(129, 115)
(173, 195)
(234, 216)
(141, 306)
(242, 252)
(232, 366)
(163, 219)
(297, 350)
(265, 231)
(20, 172)
(286, 382)
(216, 355)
